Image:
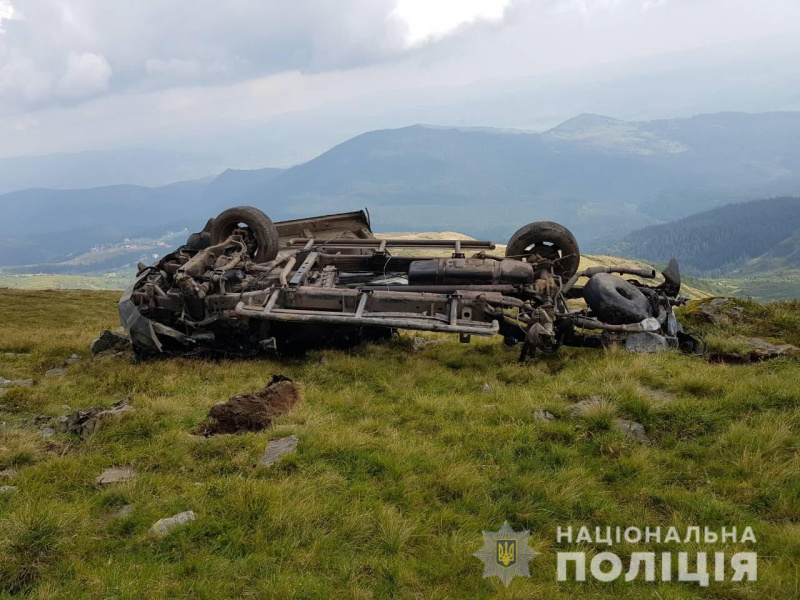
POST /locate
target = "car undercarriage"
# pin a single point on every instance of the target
(245, 286)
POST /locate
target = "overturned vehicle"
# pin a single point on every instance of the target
(246, 285)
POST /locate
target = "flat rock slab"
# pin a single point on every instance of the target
(73, 359)
(645, 342)
(55, 373)
(10, 383)
(124, 511)
(115, 475)
(276, 449)
(47, 432)
(757, 350)
(8, 489)
(87, 420)
(631, 430)
(543, 415)
(164, 526)
(581, 408)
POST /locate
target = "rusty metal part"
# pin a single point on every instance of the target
(333, 282)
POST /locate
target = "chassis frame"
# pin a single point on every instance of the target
(244, 285)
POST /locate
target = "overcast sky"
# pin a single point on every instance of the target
(92, 74)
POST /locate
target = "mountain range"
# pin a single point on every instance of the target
(600, 176)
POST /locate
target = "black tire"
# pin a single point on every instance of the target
(263, 229)
(616, 301)
(555, 238)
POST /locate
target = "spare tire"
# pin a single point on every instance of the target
(616, 301)
(552, 241)
(263, 229)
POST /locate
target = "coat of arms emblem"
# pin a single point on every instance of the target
(506, 554)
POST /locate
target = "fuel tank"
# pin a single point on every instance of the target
(479, 271)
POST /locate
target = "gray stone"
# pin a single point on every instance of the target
(631, 430)
(420, 343)
(659, 396)
(47, 432)
(8, 489)
(73, 359)
(276, 449)
(645, 342)
(8, 473)
(580, 408)
(55, 373)
(764, 350)
(164, 526)
(87, 420)
(720, 310)
(115, 475)
(124, 511)
(16, 383)
(486, 389)
(543, 415)
(110, 342)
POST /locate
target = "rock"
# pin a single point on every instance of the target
(164, 526)
(110, 342)
(486, 389)
(276, 449)
(55, 373)
(8, 489)
(631, 430)
(580, 408)
(83, 422)
(115, 475)
(659, 396)
(16, 383)
(757, 350)
(717, 310)
(420, 343)
(47, 432)
(124, 511)
(543, 415)
(253, 412)
(645, 342)
(73, 359)
(8, 473)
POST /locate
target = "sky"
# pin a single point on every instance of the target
(89, 75)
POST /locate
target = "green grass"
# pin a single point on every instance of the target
(402, 461)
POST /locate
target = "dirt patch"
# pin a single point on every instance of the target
(253, 412)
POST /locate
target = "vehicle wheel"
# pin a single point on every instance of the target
(616, 301)
(260, 224)
(547, 240)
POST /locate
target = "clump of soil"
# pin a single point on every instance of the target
(253, 412)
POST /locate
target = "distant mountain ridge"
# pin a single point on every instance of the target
(597, 175)
(749, 237)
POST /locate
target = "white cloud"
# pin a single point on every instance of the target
(8, 13)
(87, 74)
(432, 19)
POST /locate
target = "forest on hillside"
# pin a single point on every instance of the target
(715, 242)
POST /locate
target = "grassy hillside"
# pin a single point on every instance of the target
(402, 461)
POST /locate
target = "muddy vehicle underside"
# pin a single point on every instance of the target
(246, 285)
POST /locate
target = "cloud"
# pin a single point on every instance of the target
(87, 74)
(8, 13)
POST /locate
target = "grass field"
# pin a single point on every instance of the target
(402, 461)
